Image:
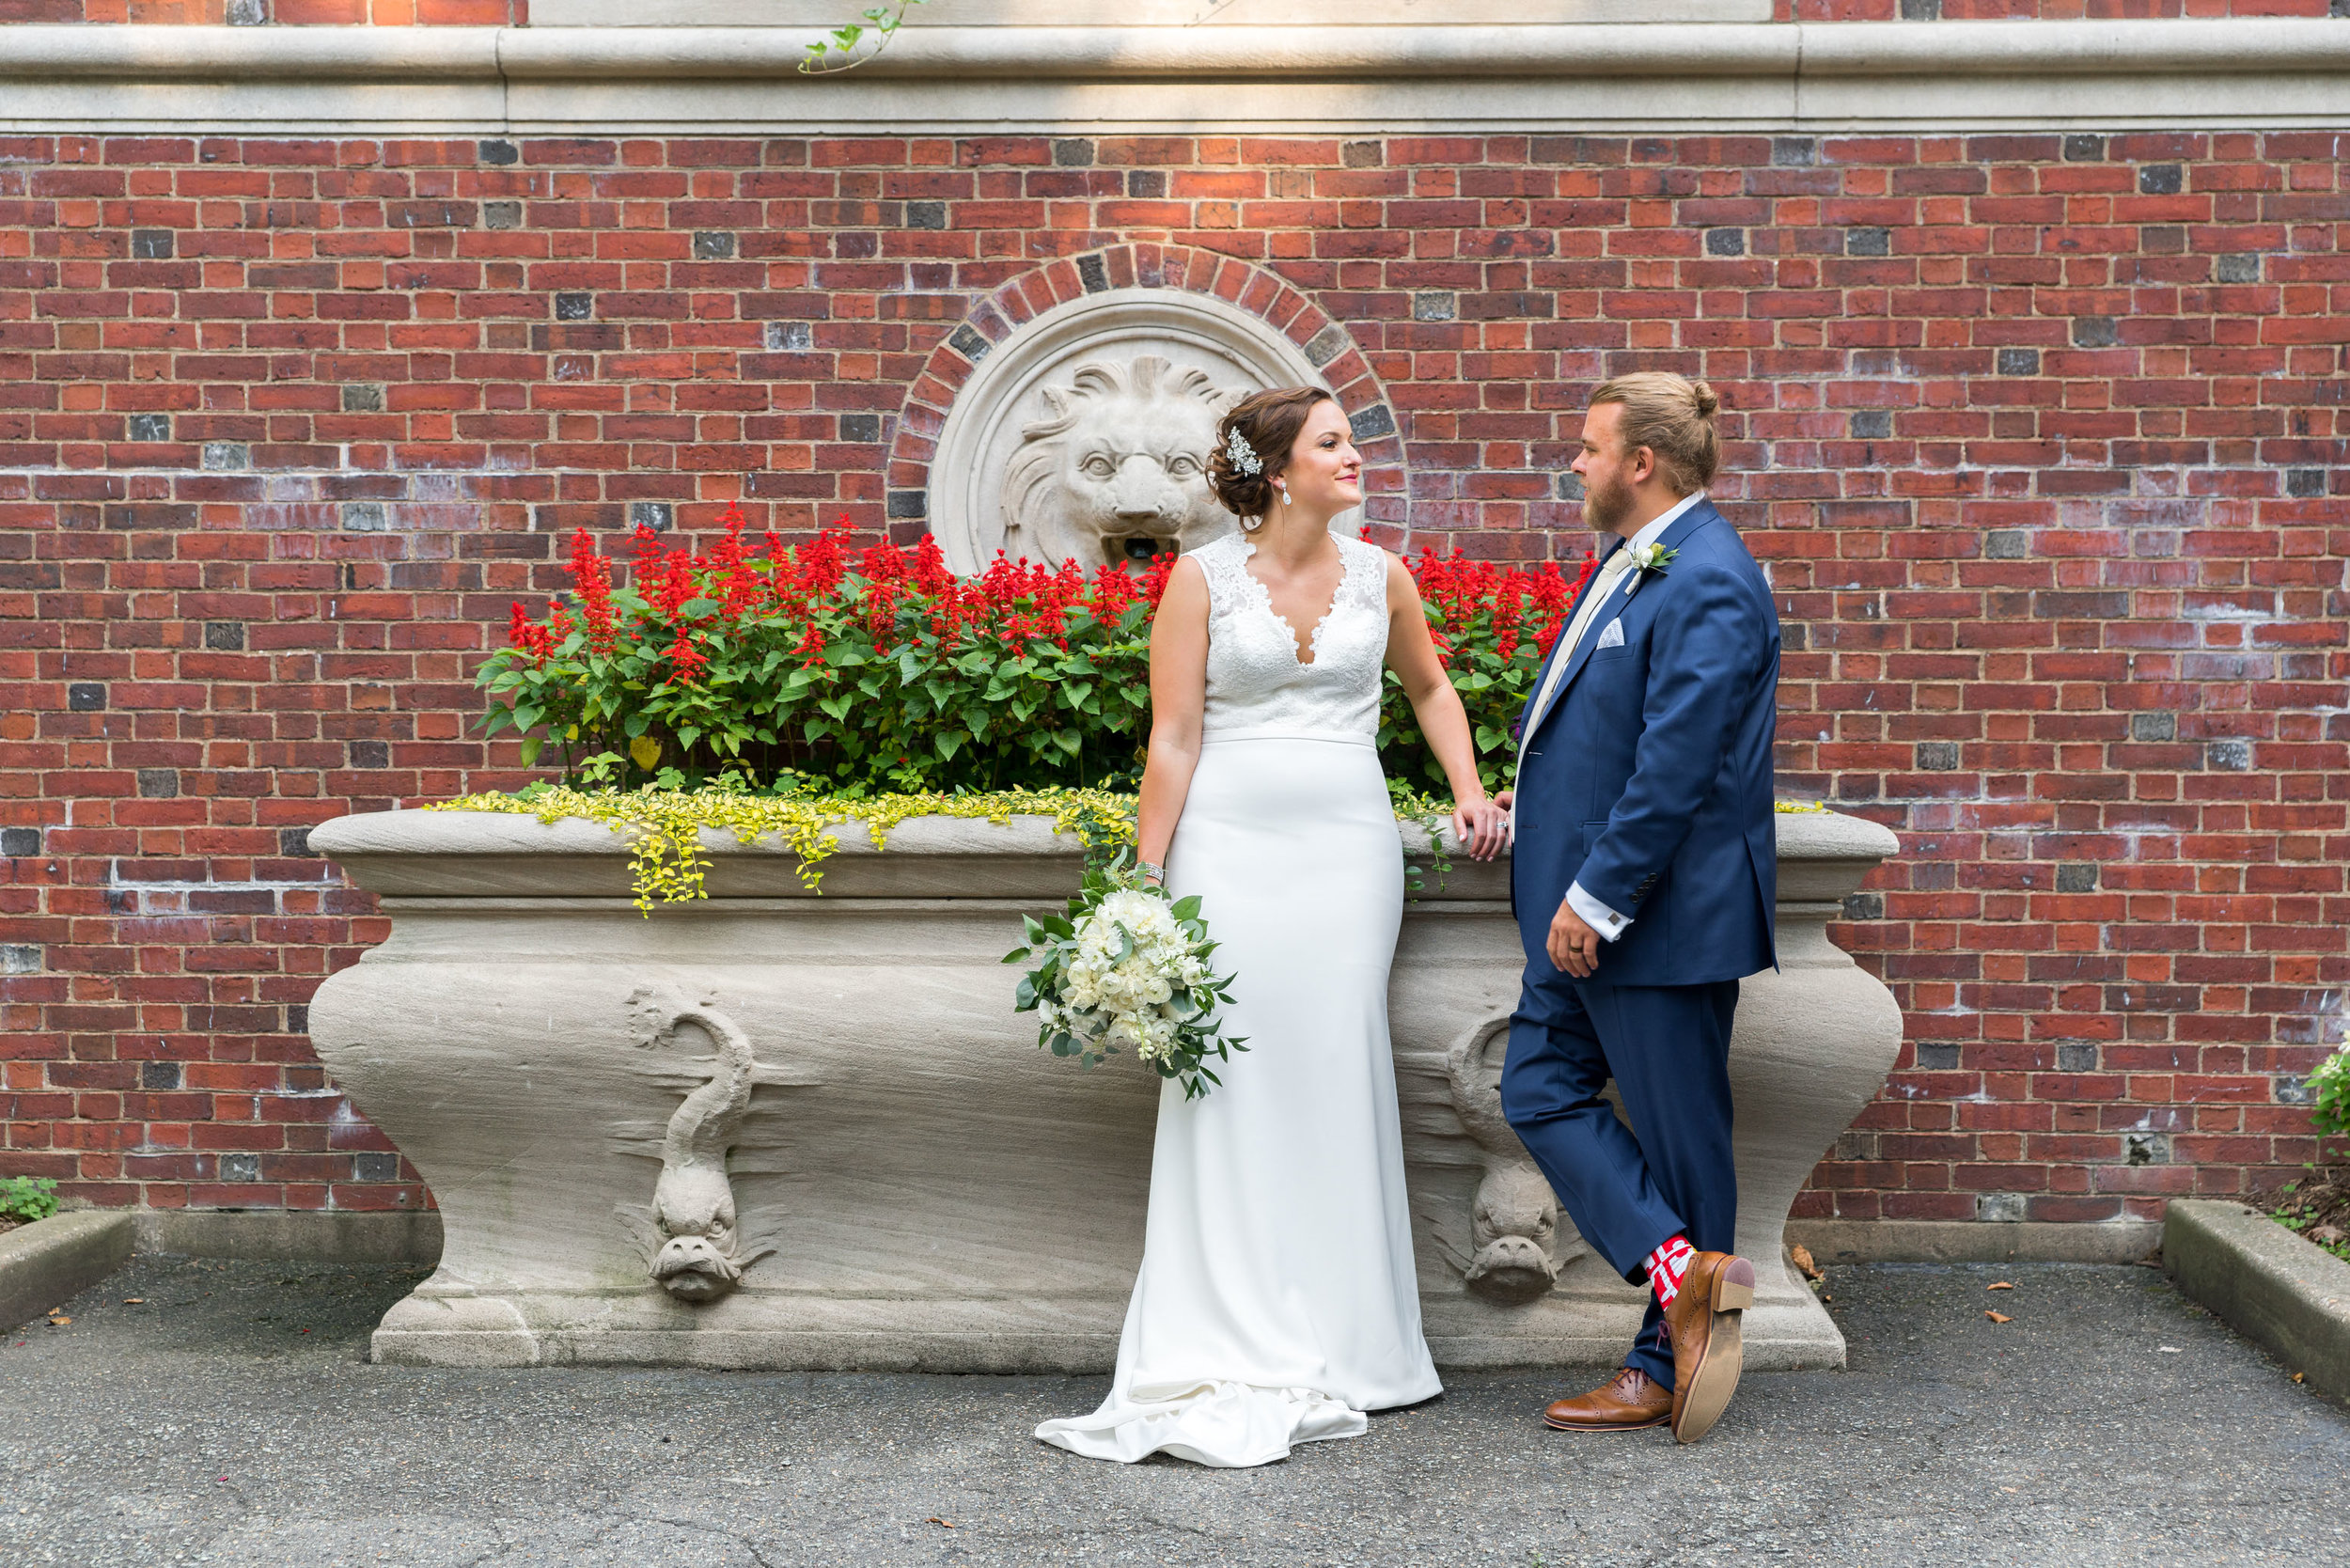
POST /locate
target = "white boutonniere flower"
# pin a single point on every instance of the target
(1647, 560)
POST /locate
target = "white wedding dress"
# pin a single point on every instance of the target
(1277, 1299)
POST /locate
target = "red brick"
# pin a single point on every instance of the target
(2078, 580)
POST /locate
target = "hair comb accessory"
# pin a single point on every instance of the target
(1241, 454)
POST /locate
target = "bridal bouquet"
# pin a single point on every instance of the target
(1126, 966)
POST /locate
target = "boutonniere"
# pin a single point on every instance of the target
(1647, 560)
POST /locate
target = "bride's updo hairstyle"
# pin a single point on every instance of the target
(1269, 422)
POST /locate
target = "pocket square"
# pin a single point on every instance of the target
(1613, 636)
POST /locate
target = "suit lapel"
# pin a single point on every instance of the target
(1606, 618)
(1526, 713)
(1682, 528)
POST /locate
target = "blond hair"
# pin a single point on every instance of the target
(1673, 418)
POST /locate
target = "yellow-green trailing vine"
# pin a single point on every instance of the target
(664, 827)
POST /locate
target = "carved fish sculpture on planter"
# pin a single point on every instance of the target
(691, 1238)
(1515, 1223)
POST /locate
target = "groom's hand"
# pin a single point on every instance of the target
(1573, 945)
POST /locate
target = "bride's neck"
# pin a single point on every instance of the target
(1291, 536)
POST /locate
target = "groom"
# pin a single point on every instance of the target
(1643, 879)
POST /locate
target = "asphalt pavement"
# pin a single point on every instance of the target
(225, 1413)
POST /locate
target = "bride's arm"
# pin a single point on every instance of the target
(1481, 826)
(1178, 693)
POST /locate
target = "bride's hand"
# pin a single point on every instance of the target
(1482, 827)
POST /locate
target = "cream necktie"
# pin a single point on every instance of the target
(1602, 591)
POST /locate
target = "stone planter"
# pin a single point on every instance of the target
(592, 1094)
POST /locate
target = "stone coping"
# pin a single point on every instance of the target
(430, 853)
(2260, 46)
(1223, 14)
(2287, 1294)
(2171, 74)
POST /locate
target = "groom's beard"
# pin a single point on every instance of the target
(1606, 506)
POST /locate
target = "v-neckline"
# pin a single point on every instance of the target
(1313, 639)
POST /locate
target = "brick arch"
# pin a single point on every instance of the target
(1326, 343)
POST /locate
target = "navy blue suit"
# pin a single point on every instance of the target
(1648, 780)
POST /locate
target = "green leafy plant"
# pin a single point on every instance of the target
(1493, 626)
(2318, 1205)
(24, 1198)
(2329, 1095)
(791, 689)
(827, 670)
(1432, 814)
(2317, 1208)
(820, 668)
(880, 21)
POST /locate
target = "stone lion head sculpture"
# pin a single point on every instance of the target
(1119, 472)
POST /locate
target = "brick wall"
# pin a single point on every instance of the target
(2040, 436)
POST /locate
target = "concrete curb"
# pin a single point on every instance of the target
(1961, 1241)
(312, 1235)
(2286, 1295)
(54, 1260)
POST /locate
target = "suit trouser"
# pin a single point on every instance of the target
(1628, 1192)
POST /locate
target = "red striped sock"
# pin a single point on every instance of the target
(1666, 1266)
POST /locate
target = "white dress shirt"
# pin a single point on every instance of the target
(1600, 919)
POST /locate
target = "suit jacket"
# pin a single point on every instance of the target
(1649, 778)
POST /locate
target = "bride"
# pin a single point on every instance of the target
(1277, 1299)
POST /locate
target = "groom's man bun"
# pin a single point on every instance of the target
(1673, 418)
(1269, 422)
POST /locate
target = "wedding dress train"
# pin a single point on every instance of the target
(1277, 1300)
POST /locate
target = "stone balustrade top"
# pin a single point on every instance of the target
(422, 854)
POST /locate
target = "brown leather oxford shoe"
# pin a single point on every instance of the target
(1626, 1403)
(1706, 1325)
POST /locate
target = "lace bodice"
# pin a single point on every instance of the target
(1256, 680)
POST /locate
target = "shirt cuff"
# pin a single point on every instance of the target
(1596, 915)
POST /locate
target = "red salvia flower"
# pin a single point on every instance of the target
(1154, 577)
(827, 604)
(533, 640)
(591, 577)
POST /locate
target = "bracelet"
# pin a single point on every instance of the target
(1153, 874)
